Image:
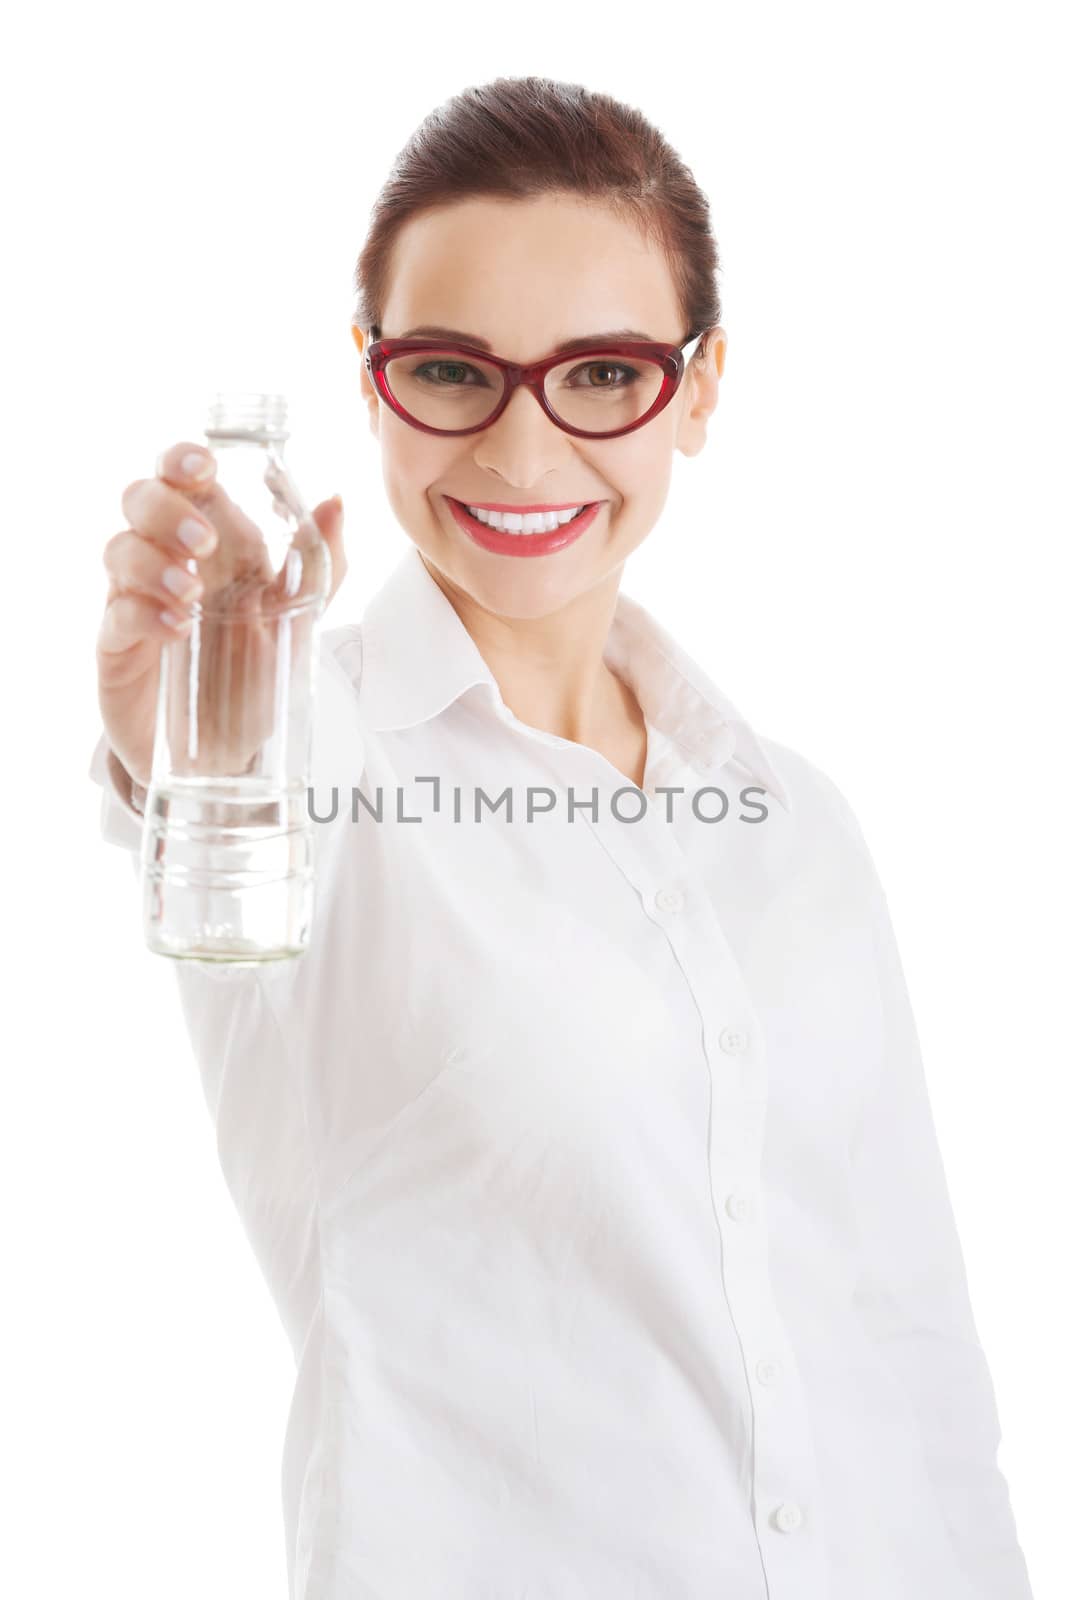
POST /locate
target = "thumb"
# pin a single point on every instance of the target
(330, 520)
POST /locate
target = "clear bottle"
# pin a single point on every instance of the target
(226, 856)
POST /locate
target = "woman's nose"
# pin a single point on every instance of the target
(523, 445)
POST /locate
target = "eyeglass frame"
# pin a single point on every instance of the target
(671, 358)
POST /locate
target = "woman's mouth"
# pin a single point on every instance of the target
(536, 535)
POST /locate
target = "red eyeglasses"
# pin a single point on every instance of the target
(597, 391)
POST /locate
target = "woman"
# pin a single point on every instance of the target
(587, 1152)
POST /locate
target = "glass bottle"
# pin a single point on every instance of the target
(226, 855)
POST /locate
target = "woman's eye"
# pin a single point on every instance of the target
(600, 374)
(448, 373)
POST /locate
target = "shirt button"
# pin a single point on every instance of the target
(669, 899)
(738, 1207)
(788, 1517)
(733, 1040)
(767, 1371)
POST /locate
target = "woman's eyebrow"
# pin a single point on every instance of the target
(431, 330)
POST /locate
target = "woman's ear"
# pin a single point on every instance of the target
(701, 391)
(713, 347)
(367, 388)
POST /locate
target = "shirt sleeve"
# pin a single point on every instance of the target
(912, 1293)
(246, 1029)
(253, 1093)
(250, 1087)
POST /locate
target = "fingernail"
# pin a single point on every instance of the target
(179, 624)
(197, 536)
(196, 464)
(337, 501)
(179, 582)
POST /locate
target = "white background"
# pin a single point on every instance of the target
(867, 558)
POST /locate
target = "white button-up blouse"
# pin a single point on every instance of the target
(588, 1156)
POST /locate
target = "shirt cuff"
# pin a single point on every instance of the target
(121, 820)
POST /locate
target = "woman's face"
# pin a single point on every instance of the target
(527, 276)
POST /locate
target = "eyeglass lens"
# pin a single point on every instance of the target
(597, 393)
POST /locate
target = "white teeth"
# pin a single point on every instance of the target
(531, 522)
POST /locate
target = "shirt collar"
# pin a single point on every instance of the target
(418, 658)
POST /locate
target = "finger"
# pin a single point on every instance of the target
(192, 468)
(133, 619)
(168, 518)
(330, 520)
(133, 562)
(186, 465)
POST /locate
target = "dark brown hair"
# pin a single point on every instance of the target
(516, 138)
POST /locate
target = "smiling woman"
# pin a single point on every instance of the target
(595, 277)
(587, 1151)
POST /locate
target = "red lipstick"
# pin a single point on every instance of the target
(522, 544)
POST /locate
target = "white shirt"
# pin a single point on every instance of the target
(591, 1163)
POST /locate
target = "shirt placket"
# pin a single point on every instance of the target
(786, 1504)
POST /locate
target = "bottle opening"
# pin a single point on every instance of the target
(241, 414)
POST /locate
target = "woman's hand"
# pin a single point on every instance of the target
(143, 612)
